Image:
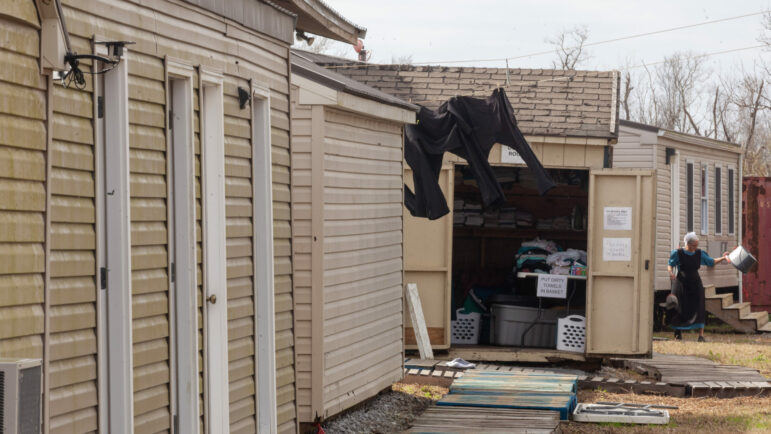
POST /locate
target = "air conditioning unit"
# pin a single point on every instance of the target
(21, 393)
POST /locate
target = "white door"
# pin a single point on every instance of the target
(619, 292)
(214, 254)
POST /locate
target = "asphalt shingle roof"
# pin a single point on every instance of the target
(546, 102)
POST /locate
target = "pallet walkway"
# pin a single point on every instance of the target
(461, 420)
(699, 376)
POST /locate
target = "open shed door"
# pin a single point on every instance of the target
(619, 292)
(428, 263)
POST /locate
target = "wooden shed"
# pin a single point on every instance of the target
(569, 119)
(347, 233)
(698, 190)
(145, 237)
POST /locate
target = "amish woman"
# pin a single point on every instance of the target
(687, 286)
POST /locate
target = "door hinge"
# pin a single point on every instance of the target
(103, 277)
(100, 106)
(647, 263)
(173, 272)
(176, 424)
(171, 119)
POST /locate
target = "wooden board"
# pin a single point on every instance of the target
(418, 321)
(485, 420)
(563, 403)
(489, 353)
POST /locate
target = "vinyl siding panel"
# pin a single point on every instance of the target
(301, 248)
(633, 149)
(23, 115)
(360, 212)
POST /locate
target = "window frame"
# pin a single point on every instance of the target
(704, 199)
(718, 181)
(689, 196)
(731, 200)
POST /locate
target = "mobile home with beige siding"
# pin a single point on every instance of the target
(137, 207)
(690, 170)
(347, 238)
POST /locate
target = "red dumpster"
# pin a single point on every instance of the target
(756, 197)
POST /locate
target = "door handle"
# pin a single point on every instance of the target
(212, 299)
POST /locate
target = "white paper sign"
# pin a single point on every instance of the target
(552, 285)
(511, 156)
(617, 249)
(618, 218)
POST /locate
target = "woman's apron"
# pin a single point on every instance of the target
(689, 291)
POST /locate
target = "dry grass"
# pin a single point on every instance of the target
(753, 351)
(433, 393)
(703, 415)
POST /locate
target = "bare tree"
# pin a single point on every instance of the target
(569, 47)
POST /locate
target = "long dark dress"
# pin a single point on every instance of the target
(689, 290)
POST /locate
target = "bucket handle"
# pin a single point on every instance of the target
(575, 318)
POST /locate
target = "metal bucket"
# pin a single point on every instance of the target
(742, 259)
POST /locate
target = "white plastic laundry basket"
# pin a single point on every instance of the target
(465, 329)
(571, 333)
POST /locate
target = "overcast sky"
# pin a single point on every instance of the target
(437, 31)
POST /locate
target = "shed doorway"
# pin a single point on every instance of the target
(498, 255)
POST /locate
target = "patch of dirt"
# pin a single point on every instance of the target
(389, 412)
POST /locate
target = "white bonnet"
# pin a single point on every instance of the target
(689, 237)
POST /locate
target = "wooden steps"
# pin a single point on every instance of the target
(737, 315)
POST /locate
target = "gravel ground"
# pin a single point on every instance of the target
(390, 412)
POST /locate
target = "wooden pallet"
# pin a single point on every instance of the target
(562, 403)
(462, 420)
(699, 376)
(616, 385)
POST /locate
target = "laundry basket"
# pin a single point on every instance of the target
(465, 329)
(571, 333)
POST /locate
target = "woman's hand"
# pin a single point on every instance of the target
(672, 276)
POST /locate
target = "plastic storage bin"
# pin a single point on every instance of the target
(571, 333)
(465, 329)
(507, 324)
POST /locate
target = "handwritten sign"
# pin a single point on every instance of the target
(511, 156)
(552, 285)
(618, 218)
(617, 249)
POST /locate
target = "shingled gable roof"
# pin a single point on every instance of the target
(546, 102)
(303, 66)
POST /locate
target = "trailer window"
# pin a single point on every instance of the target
(731, 211)
(689, 198)
(704, 201)
(718, 201)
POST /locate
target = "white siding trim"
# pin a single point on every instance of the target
(214, 253)
(264, 292)
(718, 181)
(118, 249)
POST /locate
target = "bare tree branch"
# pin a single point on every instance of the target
(569, 47)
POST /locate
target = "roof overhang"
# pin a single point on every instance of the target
(312, 92)
(318, 18)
